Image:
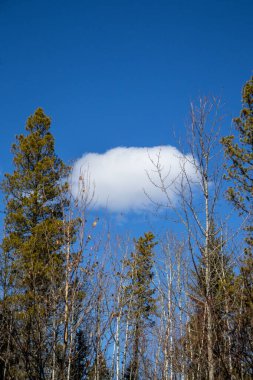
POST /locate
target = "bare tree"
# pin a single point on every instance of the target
(171, 282)
(197, 196)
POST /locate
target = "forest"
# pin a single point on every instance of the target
(79, 302)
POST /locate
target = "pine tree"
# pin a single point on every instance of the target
(33, 242)
(240, 160)
(99, 369)
(219, 300)
(140, 295)
(79, 368)
(240, 171)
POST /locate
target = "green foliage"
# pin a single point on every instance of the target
(221, 273)
(80, 353)
(34, 208)
(34, 240)
(45, 322)
(240, 155)
(141, 303)
(99, 369)
(220, 298)
(139, 292)
(240, 159)
(243, 316)
(240, 193)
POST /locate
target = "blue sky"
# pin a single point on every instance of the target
(118, 73)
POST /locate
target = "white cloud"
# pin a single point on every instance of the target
(120, 176)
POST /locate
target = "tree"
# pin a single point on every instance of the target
(33, 242)
(240, 159)
(240, 171)
(171, 282)
(80, 354)
(220, 290)
(197, 193)
(140, 295)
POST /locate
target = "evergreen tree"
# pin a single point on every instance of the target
(220, 301)
(140, 295)
(79, 369)
(240, 160)
(99, 369)
(33, 242)
(240, 171)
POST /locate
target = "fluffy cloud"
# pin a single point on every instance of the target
(123, 177)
